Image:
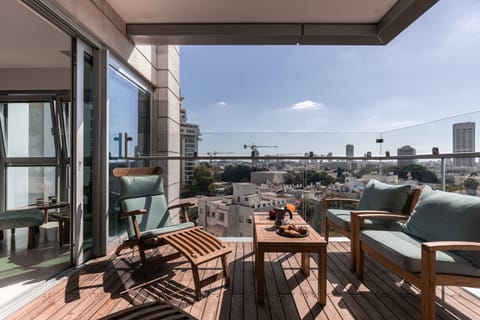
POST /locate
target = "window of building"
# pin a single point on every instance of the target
(221, 217)
(249, 220)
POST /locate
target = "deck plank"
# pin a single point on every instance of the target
(110, 284)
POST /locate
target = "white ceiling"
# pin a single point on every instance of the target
(29, 41)
(252, 11)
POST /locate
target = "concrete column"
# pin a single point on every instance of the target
(166, 124)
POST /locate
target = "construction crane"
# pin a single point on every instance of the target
(255, 147)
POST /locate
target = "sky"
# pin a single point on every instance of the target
(319, 98)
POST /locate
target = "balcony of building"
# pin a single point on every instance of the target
(112, 283)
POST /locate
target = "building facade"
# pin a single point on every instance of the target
(189, 138)
(463, 141)
(349, 150)
(406, 151)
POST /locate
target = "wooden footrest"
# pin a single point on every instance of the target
(199, 247)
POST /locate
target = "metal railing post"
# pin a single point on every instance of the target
(442, 173)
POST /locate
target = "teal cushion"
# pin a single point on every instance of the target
(405, 251)
(157, 215)
(140, 186)
(381, 196)
(160, 231)
(341, 218)
(14, 219)
(445, 216)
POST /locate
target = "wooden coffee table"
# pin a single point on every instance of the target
(266, 239)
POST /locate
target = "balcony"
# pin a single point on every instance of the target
(115, 283)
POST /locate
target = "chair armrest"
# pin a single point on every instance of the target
(132, 213)
(451, 245)
(184, 207)
(360, 216)
(429, 253)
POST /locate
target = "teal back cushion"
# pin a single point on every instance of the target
(445, 216)
(381, 196)
(145, 192)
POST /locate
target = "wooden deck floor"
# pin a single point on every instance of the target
(114, 283)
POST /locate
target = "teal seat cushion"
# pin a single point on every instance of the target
(381, 196)
(160, 231)
(445, 216)
(405, 251)
(13, 219)
(341, 218)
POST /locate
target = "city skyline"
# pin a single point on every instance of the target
(429, 72)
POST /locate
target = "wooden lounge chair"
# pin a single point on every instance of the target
(149, 225)
(378, 198)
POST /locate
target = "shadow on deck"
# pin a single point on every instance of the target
(114, 283)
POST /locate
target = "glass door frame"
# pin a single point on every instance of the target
(98, 190)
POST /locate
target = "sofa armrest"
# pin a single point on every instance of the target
(429, 268)
(451, 245)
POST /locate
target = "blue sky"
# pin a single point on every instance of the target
(430, 71)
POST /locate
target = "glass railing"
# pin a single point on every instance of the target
(232, 175)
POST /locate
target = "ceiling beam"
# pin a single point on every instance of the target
(216, 33)
(402, 14)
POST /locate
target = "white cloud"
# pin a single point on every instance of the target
(307, 105)
(221, 104)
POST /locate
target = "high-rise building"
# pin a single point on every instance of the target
(464, 141)
(349, 150)
(406, 151)
(189, 137)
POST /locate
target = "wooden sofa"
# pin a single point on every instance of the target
(378, 198)
(421, 251)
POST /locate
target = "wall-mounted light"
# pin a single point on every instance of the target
(369, 154)
(435, 151)
(387, 154)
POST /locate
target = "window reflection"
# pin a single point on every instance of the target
(129, 112)
(26, 184)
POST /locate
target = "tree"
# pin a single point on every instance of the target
(471, 186)
(238, 173)
(203, 180)
(417, 172)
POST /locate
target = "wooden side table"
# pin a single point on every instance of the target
(266, 239)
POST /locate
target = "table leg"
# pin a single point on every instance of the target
(45, 215)
(305, 266)
(260, 266)
(322, 275)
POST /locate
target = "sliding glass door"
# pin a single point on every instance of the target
(82, 177)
